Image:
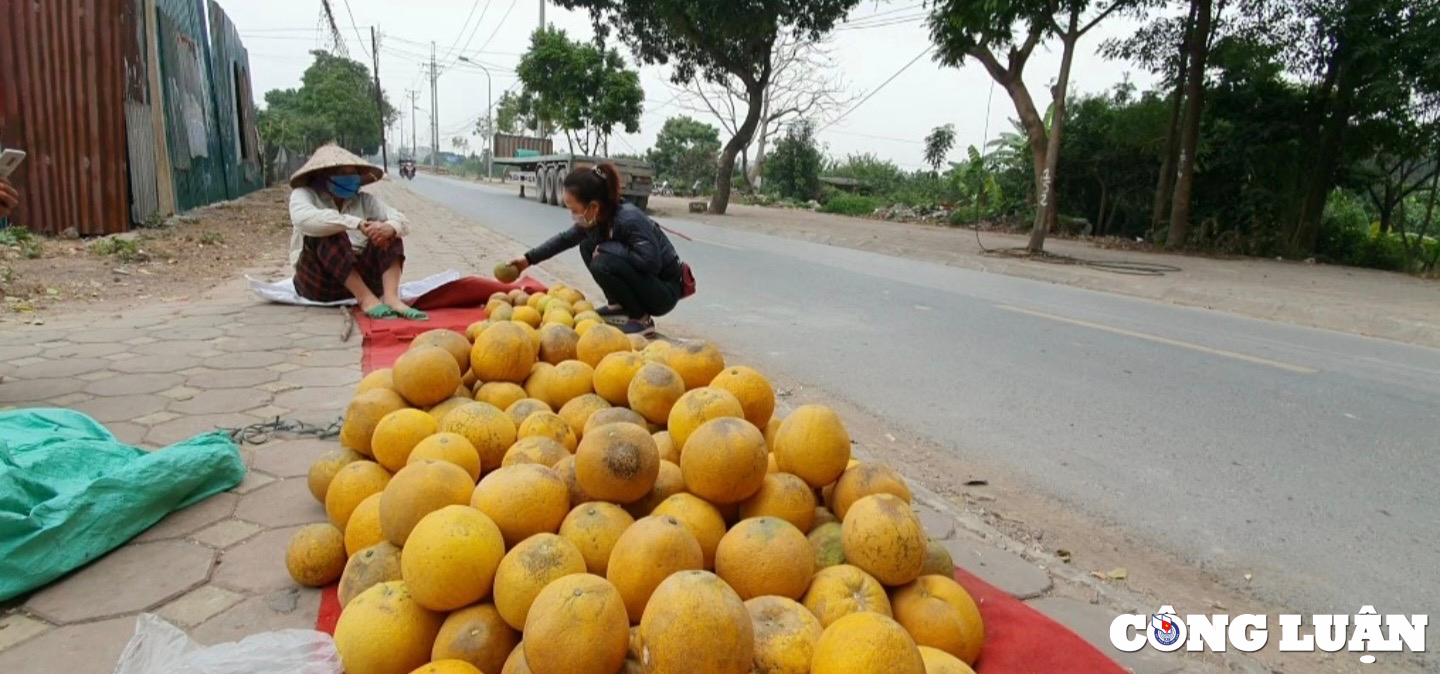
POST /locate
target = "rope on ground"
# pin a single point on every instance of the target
(1120, 267)
(263, 432)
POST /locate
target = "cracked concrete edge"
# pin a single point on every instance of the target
(1117, 597)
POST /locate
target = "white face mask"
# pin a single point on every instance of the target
(582, 221)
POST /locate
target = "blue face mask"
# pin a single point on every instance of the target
(345, 187)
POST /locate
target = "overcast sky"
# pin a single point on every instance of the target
(878, 41)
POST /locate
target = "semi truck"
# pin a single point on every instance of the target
(544, 175)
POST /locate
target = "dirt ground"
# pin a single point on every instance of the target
(42, 275)
(1359, 301)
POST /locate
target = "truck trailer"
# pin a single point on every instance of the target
(544, 176)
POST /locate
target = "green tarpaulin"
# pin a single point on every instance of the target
(70, 492)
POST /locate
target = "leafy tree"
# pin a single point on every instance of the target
(511, 116)
(686, 151)
(983, 31)
(793, 170)
(586, 91)
(715, 41)
(938, 144)
(335, 102)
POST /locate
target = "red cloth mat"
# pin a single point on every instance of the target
(1022, 640)
(1018, 639)
(453, 306)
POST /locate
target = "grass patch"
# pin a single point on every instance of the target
(850, 204)
(21, 241)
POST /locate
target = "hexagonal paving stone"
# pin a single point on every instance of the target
(132, 578)
(281, 503)
(187, 322)
(220, 401)
(252, 343)
(257, 565)
(328, 340)
(207, 378)
(23, 391)
(201, 604)
(132, 384)
(212, 309)
(62, 368)
(185, 347)
(192, 519)
(328, 358)
(16, 627)
(290, 608)
(192, 333)
(245, 360)
(122, 407)
(103, 335)
(291, 458)
(12, 352)
(86, 350)
(320, 377)
(128, 433)
(331, 399)
(227, 533)
(187, 427)
(92, 648)
(174, 362)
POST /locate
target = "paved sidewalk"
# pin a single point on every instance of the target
(159, 374)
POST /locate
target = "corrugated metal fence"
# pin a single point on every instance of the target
(234, 105)
(62, 100)
(89, 87)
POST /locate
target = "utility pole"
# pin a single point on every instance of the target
(414, 126)
(542, 14)
(434, 112)
(379, 98)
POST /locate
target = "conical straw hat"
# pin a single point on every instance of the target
(332, 156)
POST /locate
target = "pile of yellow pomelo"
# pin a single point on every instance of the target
(547, 495)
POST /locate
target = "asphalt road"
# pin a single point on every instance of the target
(1308, 458)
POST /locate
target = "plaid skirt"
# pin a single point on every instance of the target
(325, 263)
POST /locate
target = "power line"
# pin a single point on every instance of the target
(877, 90)
(357, 29)
(461, 35)
(500, 25)
(885, 23)
(473, 32)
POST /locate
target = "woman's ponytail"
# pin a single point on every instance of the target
(600, 184)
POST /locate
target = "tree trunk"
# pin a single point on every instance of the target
(755, 98)
(1199, 43)
(1047, 212)
(755, 175)
(1099, 229)
(1165, 184)
(1340, 81)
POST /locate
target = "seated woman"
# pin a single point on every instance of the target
(347, 244)
(630, 257)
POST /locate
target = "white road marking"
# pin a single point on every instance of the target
(1288, 367)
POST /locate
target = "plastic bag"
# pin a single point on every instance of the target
(161, 648)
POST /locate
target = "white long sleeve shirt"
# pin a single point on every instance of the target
(314, 214)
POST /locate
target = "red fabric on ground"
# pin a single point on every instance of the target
(1018, 639)
(329, 609)
(1021, 640)
(453, 306)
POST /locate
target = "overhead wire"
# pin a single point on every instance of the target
(353, 25)
(877, 90)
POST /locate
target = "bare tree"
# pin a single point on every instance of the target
(805, 84)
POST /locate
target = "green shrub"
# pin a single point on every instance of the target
(24, 242)
(850, 204)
